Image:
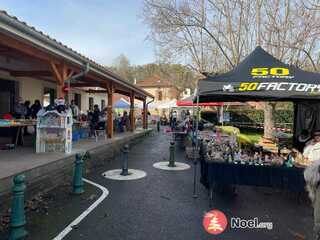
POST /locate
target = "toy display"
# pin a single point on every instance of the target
(54, 131)
(224, 148)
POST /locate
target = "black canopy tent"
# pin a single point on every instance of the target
(262, 77)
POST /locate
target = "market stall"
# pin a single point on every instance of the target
(188, 102)
(260, 77)
(18, 125)
(54, 129)
(121, 104)
(224, 174)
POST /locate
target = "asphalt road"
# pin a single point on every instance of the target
(161, 206)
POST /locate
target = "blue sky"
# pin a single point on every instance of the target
(99, 29)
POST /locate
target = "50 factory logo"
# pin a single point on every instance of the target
(276, 72)
(279, 86)
(279, 73)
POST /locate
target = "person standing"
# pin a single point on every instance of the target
(28, 109)
(188, 113)
(27, 116)
(94, 119)
(75, 110)
(125, 121)
(20, 110)
(35, 108)
(312, 150)
(119, 123)
(183, 115)
(102, 119)
(174, 119)
(312, 178)
(170, 118)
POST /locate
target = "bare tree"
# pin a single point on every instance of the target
(121, 65)
(215, 35)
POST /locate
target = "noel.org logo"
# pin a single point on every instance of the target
(215, 222)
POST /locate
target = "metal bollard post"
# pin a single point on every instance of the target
(172, 154)
(77, 176)
(125, 152)
(158, 126)
(195, 176)
(18, 219)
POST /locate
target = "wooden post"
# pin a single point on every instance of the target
(109, 129)
(145, 114)
(132, 118)
(60, 73)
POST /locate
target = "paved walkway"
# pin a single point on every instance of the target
(161, 206)
(24, 158)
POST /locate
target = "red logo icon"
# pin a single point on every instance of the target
(215, 222)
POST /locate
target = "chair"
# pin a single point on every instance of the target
(100, 131)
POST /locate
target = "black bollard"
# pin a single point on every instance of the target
(125, 152)
(195, 162)
(172, 154)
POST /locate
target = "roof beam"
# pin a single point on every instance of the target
(96, 91)
(31, 73)
(57, 72)
(25, 48)
(71, 72)
(38, 51)
(88, 84)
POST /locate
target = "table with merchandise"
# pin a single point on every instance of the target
(225, 164)
(18, 124)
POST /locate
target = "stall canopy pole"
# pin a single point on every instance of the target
(196, 151)
(193, 124)
(221, 115)
(197, 121)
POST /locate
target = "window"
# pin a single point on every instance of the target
(49, 94)
(103, 104)
(91, 103)
(160, 96)
(9, 91)
(77, 100)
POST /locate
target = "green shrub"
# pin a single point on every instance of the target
(251, 116)
(257, 116)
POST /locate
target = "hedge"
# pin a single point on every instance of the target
(257, 116)
(251, 116)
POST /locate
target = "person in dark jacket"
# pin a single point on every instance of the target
(126, 121)
(94, 119)
(28, 109)
(27, 116)
(35, 108)
(20, 110)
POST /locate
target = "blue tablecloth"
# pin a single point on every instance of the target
(252, 175)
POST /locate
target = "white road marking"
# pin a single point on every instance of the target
(75, 222)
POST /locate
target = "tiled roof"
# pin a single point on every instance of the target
(66, 48)
(154, 81)
(50, 38)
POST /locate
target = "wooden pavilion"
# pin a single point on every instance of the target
(27, 52)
